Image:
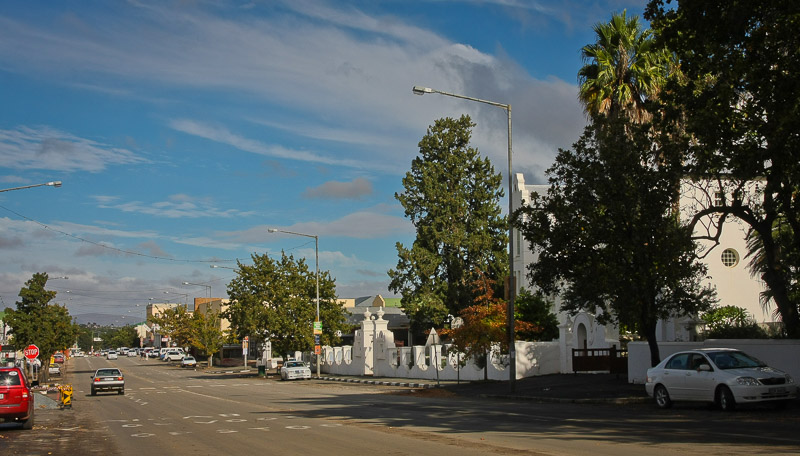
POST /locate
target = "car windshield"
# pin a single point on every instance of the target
(108, 373)
(10, 378)
(295, 364)
(734, 360)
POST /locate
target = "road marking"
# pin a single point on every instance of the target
(196, 416)
(260, 428)
(298, 428)
(226, 431)
(236, 420)
(131, 425)
(143, 434)
(206, 422)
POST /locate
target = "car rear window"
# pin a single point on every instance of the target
(108, 372)
(10, 378)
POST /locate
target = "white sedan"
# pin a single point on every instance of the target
(723, 376)
(293, 370)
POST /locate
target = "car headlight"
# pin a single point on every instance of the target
(789, 379)
(747, 381)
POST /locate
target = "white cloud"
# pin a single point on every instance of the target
(50, 149)
(180, 206)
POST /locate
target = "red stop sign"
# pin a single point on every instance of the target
(32, 352)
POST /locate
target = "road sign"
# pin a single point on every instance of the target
(32, 352)
(316, 339)
(317, 327)
(317, 350)
(246, 343)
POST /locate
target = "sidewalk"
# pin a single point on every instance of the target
(583, 388)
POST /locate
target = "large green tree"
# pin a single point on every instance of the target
(176, 324)
(275, 299)
(206, 334)
(607, 236)
(623, 69)
(36, 321)
(452, 197)
(740, 99)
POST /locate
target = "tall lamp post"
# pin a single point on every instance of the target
(48, 184)
(512, 351)
(316, 265)
(208, 289)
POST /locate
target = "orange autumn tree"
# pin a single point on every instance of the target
(484, 324)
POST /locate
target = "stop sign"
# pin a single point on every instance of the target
(32, 352)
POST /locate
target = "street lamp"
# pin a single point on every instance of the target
(49, 184)
(316, 264)
(512, 371)
(185, 296)
(208, 287)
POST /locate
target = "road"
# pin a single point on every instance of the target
(168, 410)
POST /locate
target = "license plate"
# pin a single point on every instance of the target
(777, 390)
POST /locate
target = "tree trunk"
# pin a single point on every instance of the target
(650, 334)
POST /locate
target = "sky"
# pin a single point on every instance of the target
(183, 130)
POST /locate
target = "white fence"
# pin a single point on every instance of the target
(438, 361)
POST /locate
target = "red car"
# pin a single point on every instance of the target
(16, 399)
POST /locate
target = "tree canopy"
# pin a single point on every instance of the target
(452, 197)
(607, 236)
(623, 69)
(36, 321)
(738, 98)
(275, 299)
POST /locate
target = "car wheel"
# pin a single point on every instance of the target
(662, 397)
(94, 393)
(28, 424)
(725, 399)
(121, 392)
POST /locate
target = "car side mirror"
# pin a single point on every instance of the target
(704, 368)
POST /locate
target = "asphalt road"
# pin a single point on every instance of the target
(167, 410)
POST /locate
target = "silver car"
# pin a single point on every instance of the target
(292, 370)
(724, 376)
(108, 379)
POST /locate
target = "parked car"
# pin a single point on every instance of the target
(16, 399)
(54, 370)
(133, 352)
(112, 354)
(293, 370)
(724, 376)
(58, 358)
(108, 379)
(188, 361)
(153, 353)
(174, 355)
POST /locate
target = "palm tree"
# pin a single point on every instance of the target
(622, 70)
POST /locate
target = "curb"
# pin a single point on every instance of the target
(378, 382)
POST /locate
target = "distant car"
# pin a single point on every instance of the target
(16, 398)
(293, 370)
(58, 358)
(54, 370)
(723, 376)
(132, 353)
(188, 361)
(108, 379)
(153, 353)
(112, 354)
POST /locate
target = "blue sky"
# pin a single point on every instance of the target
(183, 130)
